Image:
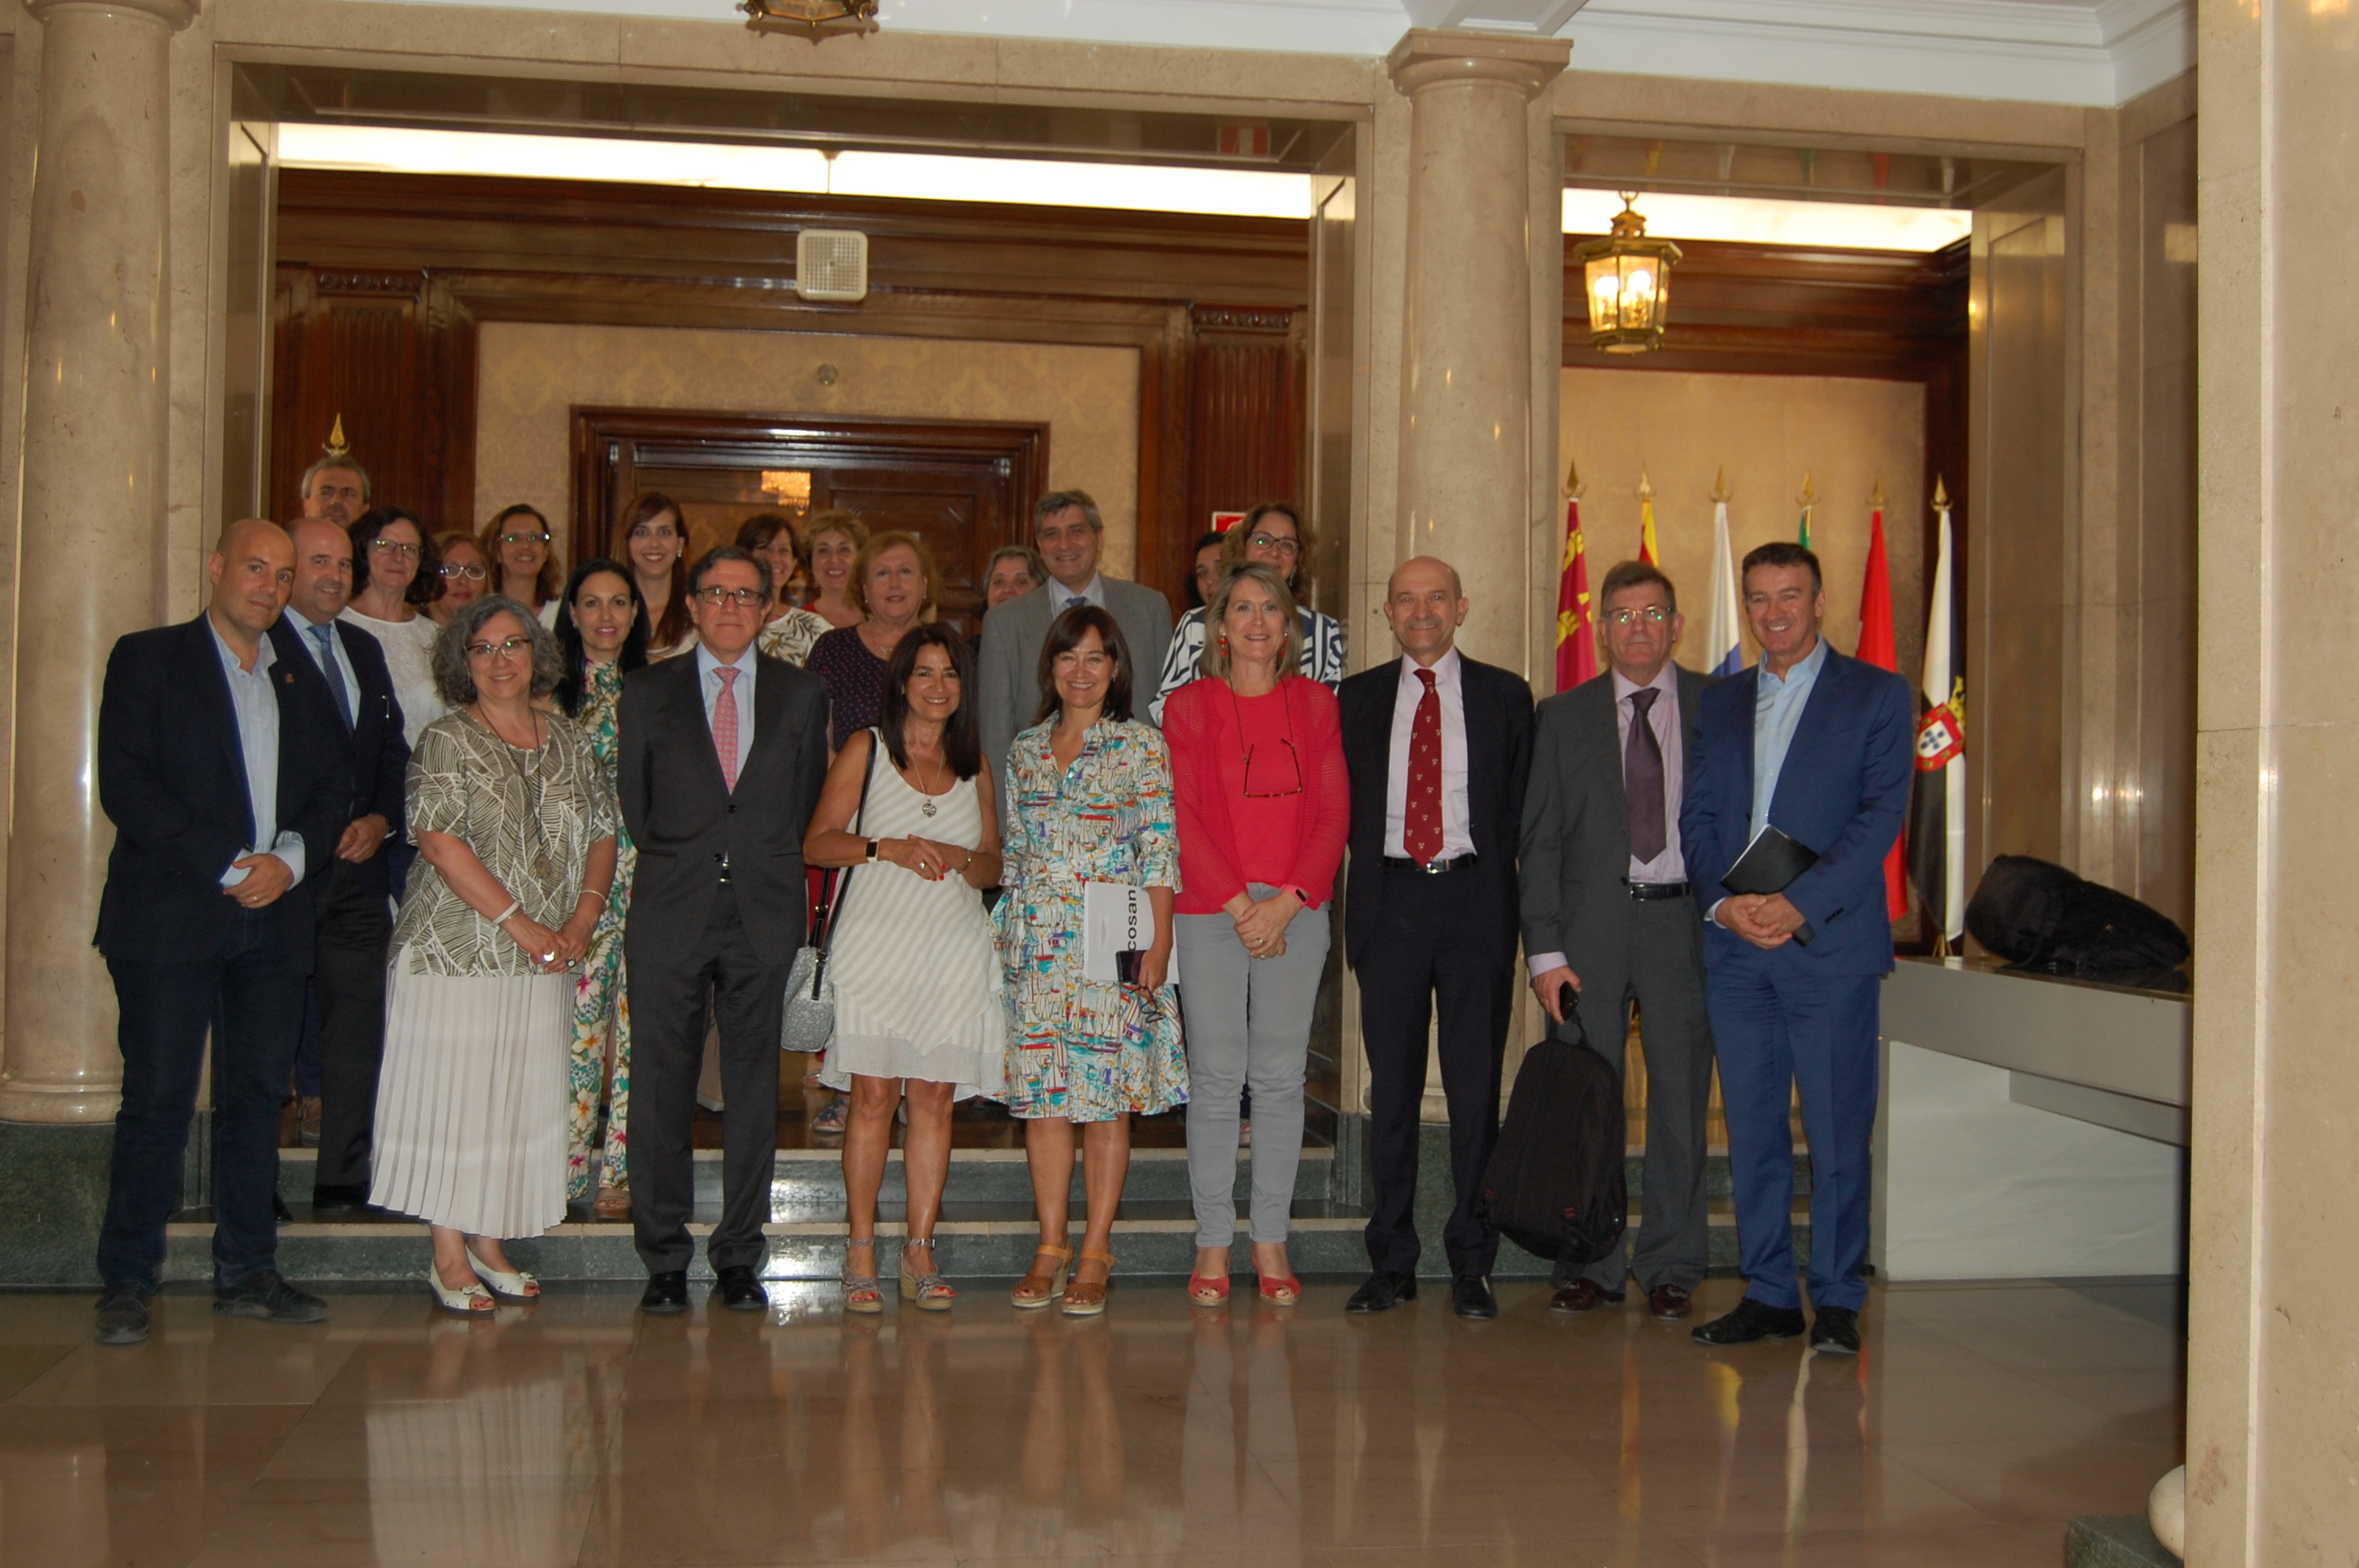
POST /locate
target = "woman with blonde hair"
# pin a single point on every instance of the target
(893, 586)
(836, 539)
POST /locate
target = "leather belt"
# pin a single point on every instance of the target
(1646, 892)
(1438, 867)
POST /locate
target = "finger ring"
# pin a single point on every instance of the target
(549, 957)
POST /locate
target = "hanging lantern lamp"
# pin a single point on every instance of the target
(1628, 277)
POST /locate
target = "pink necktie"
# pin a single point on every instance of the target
(724, 726)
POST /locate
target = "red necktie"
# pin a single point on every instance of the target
(1421, 812)
(724, 726)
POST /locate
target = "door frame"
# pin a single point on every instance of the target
(610, 444)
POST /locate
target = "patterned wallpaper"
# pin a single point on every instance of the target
(533, 376)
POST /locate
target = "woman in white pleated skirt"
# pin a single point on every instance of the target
(514, 824)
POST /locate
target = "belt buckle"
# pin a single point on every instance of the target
(1434, 868)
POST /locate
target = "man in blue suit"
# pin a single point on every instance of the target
(1819, 746)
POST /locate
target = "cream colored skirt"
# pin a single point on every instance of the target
(470, 1103)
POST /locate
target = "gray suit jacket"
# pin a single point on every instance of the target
(1576, 845)
(1012, 636)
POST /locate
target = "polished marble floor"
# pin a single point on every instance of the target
(1978, 1421)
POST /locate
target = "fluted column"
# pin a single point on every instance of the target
(1466, 436)
(89, 560)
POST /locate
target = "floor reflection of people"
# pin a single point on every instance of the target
(1240, 1468)
(477, 1470)
(888, 1503)
(1072, 1470)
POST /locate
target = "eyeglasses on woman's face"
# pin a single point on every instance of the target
(471, 571)
(397, 549)
(507, 650)
(1279, 544)
(743, 597)
(535, 538)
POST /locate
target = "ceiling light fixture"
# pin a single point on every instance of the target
(1629, 284)
(815, 19)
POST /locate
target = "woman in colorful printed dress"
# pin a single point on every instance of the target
(1089, 801)
(790, 630)
(602, 629)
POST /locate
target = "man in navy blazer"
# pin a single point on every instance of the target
(1818, 746)
(344, 668)
(228, 782)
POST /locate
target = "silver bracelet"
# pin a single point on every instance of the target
(502, 918)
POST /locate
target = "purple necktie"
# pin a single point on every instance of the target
(1642, 780)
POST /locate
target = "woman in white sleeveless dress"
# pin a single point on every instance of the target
(918, 1004)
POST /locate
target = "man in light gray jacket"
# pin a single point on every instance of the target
(1068, 531)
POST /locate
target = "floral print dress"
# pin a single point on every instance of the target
(1078, 1049)
(600, 994)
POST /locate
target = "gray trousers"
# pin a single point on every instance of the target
(1248, 1023)
(1660, 965)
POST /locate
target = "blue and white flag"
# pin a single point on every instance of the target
(1723, 643)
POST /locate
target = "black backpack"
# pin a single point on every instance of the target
(1555, 1185)
(2037, 916)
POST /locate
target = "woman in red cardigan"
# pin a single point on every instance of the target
(1263, 806)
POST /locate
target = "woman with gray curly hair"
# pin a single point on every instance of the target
(515, 822)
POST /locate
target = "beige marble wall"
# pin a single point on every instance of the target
(2273, 1363)
(533, 376)
(1766, 431)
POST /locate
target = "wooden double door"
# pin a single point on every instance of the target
(963, 487)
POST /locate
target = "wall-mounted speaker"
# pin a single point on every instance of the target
(831, 264)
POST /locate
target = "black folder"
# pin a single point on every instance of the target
(1769, 864)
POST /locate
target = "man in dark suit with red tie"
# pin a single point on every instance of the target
(1438, 747)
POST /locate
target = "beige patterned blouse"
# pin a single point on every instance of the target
(530, 816)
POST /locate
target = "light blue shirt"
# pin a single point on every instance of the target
(309, 631)
(1778, 704)
(708, 673)
(255, 709)
(1061, 597)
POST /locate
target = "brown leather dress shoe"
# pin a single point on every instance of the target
(1669, 1303)
(1583, 1295)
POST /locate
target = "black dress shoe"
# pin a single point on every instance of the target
(335, 1199)
(1752, 1320)
(1670, 1303)
(667, 1293)
(122, 1315)
(1383, 1292)
(1835, 1330)
(1583, 1295)
(1469, 1296)
(268, 1297)
(740, 1291)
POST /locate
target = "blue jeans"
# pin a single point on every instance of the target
(250, 997)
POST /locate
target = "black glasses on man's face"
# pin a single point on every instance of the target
(743, 597)
(1652, 615)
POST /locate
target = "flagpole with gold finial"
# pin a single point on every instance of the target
(1725, 632)
(1806, 499)
(337, 447)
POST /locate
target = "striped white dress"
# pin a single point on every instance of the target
(918, 987)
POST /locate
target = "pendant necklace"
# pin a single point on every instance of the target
(925, 790)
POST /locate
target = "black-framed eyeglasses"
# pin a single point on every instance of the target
(396, 549)
(1278, 541)
(523, 539)
(461, 568)
(498, 650)
(743, 597)
(1272, 776)
(1652, 615)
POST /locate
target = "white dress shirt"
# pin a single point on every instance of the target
(1457, 833)
(708, 675)
(254, 708)
(1061, 597)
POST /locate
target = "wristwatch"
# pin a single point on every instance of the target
(875, 846)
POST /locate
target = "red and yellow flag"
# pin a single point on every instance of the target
(1576, 624)
(1646, 551)
(1876, 648)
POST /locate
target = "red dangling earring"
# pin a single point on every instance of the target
(1224, 644)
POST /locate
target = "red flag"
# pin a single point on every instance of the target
(1576, 626)
(1876, 647)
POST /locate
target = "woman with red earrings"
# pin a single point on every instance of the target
(1262, 806)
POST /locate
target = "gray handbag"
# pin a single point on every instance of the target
(807, 1021)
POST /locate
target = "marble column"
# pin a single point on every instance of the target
(91, 556)
(1467, 441)
(2273, 1359)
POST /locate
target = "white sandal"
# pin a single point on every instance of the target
(472, 1302)
(519, 1288)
